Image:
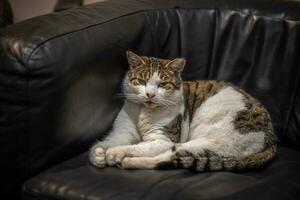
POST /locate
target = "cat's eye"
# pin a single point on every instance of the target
(162, 84)
(142, 82)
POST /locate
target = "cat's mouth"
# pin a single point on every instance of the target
(150, 104)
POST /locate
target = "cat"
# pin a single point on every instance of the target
(166, 122)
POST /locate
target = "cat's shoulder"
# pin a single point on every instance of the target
(206, 83)
(205, 86)
(208, 88)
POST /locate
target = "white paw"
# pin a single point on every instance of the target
(97, 157)
(126, 163)
(114, 156)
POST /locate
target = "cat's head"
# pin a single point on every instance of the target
(153, 82)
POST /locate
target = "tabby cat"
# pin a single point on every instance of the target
(169, 123)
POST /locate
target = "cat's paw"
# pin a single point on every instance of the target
(183, 158)
(97, 157)
(125, 163)
(114, 156)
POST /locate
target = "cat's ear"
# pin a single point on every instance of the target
(177, 64)
(133, 59)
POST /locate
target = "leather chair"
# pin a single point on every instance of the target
(6, 16)
(59, 74)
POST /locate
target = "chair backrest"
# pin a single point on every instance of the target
(253, 48)
(6, 16)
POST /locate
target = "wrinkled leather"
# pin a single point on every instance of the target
(77, 179)
(58, 72)
(67, 4)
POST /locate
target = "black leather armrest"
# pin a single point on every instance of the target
(58, 73)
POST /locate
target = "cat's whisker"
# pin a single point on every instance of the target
(170, 103)
(166, 105)
(166, 102)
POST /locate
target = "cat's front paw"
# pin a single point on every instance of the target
(114, 156)
(97, 157)
(182, 158)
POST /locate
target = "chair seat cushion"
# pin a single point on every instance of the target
(77, 179)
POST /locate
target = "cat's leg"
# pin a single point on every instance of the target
(187, 154)
(115, 155)
(97, 152)
(123, 133)
(147, 162)
(209, 153)
(182, 155)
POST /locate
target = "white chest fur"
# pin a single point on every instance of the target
(151, 121)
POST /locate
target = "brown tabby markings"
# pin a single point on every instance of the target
(208, 160)
(197, 92)
(256, 118)
(145, 71)
(173, 130)
(151, 65)
(253, 119)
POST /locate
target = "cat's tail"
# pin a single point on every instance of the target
(209, 161)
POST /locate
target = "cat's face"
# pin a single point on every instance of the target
(154, 82)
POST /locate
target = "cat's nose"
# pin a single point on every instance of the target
(150, 95)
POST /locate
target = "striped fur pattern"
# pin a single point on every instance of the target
(169, 123)
(253, 118)
(171, 78)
